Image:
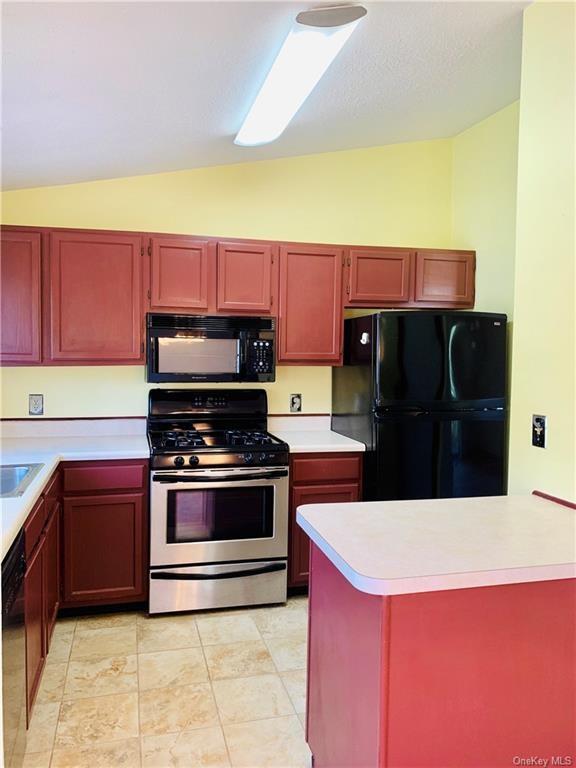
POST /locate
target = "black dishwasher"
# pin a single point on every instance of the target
(14, 655)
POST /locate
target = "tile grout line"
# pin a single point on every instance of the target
(276, 668)
(140, 736)
(210, 680)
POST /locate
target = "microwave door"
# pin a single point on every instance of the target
(195, 354)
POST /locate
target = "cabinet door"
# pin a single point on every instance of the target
(95, 297)
(20, 270)
(180, 273)
(52, 572)
(34, 623)
(245, 277)
(445, 278)
(299, 566)
(104, 546)
(378, 277)
(310, 305)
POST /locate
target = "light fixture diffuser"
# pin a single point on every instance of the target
(314, 41)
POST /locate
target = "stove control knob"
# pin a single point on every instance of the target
(248, 458)
(263, 458)
(179, 461)
(193, 461)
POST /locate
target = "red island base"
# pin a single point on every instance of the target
(468, 678)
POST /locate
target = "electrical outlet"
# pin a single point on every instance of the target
(36, 405)
(539, 431)
(295, 403)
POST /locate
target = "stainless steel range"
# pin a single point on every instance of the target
(218, 501)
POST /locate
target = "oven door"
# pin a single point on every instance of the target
(218, 515)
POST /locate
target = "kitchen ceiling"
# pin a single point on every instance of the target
(102, 90)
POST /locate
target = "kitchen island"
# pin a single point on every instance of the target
(442, 633)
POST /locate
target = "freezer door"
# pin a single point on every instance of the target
(427, 358)
(428, 456)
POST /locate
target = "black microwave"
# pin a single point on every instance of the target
(196, 348)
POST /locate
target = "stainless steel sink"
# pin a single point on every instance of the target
(15, 478)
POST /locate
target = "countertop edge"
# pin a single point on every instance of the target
(436, 582)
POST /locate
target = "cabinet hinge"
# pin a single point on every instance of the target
(343, 261)
(348, 289)
(271, 300)
(149, 294)
(142, 251)
(349, 262)
(150, 248)
(272, 259)
(142, 348)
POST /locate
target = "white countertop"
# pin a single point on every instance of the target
(49, 451)
(402, 547)
(317, 441)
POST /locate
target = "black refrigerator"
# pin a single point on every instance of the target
(426, 392)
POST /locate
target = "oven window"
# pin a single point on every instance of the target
(220, 514)
(197, 355)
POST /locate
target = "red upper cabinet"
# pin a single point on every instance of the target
(20, 270)
(310, 321)
(247, 277)
(445, 278)
(95, 297)
(181, 272)
(379, 277)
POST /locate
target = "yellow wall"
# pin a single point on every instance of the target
(544, 354)
(484, 204)
(122, 391)
(391, 195)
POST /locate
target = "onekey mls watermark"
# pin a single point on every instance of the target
(543, 762)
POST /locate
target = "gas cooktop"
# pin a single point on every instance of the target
(204, 428)
(167, 441)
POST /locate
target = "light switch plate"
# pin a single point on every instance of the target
(295, 403)
(36, 405)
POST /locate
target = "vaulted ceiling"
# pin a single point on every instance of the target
(101, 90)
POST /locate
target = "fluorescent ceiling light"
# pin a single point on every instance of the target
(314, 41)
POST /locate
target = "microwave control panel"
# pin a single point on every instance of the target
(260, 356)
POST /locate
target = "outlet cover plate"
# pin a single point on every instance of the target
(296, 403)
(36, 405)
(538, 431)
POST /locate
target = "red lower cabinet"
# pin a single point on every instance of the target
(105, 533)
(51, 561)
(34, 613)
(318, 479)
(103, 546)
(89, 549)
(41, 583)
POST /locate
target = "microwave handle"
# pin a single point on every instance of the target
(242, 352)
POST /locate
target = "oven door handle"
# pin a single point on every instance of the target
(224, 479)
(170, 576)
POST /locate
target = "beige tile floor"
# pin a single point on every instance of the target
(221, 688)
